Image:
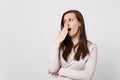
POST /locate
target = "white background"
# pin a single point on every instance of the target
(29, 27)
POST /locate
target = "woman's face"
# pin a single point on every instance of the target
(71, 22)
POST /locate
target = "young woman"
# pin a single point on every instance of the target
(73, 57)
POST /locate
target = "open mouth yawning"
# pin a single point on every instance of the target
(69, 29)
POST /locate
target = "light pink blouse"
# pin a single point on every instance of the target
(72, 70)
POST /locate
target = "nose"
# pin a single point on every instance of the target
(67, 23)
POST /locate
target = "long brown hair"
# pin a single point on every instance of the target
(67, 45)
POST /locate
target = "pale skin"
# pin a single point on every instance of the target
(70, 21)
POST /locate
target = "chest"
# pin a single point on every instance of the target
(73, 64)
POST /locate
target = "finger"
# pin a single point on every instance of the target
(65, 25)
(65, 28)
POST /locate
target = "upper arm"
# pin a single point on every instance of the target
(54, 63)
(92, 61)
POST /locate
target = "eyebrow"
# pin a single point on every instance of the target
(69, 18)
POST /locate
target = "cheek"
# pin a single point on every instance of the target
(75, 29)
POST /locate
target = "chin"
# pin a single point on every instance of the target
(71, 35)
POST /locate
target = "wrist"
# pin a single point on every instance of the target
(58, 41)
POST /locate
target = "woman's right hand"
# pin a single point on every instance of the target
(62, 34)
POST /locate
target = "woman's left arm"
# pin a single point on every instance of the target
(89, 70)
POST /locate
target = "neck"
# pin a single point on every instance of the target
(75, 39)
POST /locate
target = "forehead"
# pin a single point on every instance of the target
(69, 15)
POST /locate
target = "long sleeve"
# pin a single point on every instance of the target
(89, 70)
(54, 63)
(56, 77)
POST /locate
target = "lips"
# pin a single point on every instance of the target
(69, 29)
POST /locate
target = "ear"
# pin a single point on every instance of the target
(79, 25)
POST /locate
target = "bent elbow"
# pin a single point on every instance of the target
(53, 69)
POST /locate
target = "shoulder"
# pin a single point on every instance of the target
(91, 46)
